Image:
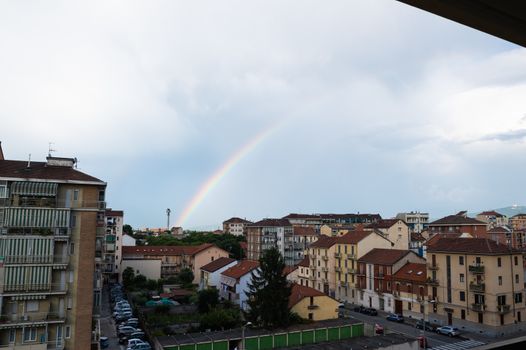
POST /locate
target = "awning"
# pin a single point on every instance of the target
(36, 217)
(27, 188)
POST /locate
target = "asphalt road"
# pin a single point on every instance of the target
(433, 339)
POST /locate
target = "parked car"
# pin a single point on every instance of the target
(395, 318)
(378, 328)
(104, 342)
(123, 316)
(123, 339)
(138, 335)
(448, 330)
(359, 309)
(127, 330)
(143, 346)
(428, 326)
(371, 311)
(134, 341)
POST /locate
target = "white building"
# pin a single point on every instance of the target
(234, 282)
(416, 221)
(211, 272)
(112, 244)
(128, 241)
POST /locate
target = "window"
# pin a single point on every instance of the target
(30, 334)
(499, 262)
(68, 332)
(463, 314)
(501, 300)
(310, 316)
(72, 248)
(462, 296)
(518, 298)
(71, 276)
(70, 303)
(461, 260)
(461, 277)
(516, 260)
(500, 280)
(516, 278)
(409, 306)
(31, 306)
(3, 191)
(73, 222)
(12, 335)
(75, 195)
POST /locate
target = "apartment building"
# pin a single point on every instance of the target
(395, 230)
(170, 259)
(416, 221)
(492, 218)
(410, 290)
(477, 284)
(50, 216)
(335, 230)
(235, 226)
(375, 277)
(268, 233)
(321, 265)
(304, 272)
(351, 247)
(518, 222)
(112, 245)
(459, 223)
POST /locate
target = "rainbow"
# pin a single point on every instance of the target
(221, 172)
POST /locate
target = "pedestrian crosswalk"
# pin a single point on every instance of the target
(465, 344)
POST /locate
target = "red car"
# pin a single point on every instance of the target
(378, 328)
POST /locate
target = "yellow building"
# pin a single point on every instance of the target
(349, 248)
(395, 230)
(51, 220)
(312, 304)
(477, 284)
(321, 265)
(335, 230)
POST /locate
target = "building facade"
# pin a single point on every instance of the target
(311, 304)
(492, 218)
(416, 221)
(235, 226)
(112, 245)
(50, 217)
(234, 282)
(458, 223)
(476, 284)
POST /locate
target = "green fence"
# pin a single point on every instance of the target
(282, 340)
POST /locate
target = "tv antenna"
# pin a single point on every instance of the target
(50, 148)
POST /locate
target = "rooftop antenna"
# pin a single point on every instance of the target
(50, 149)
(29, 161)
(168, 211)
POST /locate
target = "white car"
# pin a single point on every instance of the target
(133, 342)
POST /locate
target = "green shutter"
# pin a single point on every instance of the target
(345, 332)
(220, 345)
(265, 342)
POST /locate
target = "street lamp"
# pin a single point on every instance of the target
(432, 301)
(243, 334)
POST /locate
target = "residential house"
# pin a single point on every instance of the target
(128, 241)
(504, 235)
(304, 272)
(410, 289)
(518, 226)
(416, 221)
(476, 284)
(291, 273)
(335, 230)
(211, 272)
(51, 233)
(459, 223)
(234, 282)
(375, 277)
(349, 248)
(174, 258)
(492, 218)
(395, 230)
(311, 304)
(235, 226)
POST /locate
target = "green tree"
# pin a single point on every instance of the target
(127, 229)
(185, 276)
(219, 319)
(269, 292)
(128, 277)
(207, 299)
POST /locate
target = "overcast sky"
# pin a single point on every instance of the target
(375, 106)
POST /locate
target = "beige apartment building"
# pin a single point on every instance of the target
(395, 230)
(50, 215)
(477, 284)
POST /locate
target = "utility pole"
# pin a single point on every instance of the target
(168, 211)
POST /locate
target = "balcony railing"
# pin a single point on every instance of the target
(35, 288)
(351, 256)
(432, 281)
(312, 307)
(337, 255)
(503, 308)
(325, 269)
(325, 257)
(30, 318)
(344, 284)
(338, 269)
(477, 287)
(477, 269)
(312, 278)
(433, 267)
(478, 307)
(351, 270)
(36, 259)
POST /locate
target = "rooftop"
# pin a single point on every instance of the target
(384, 256)
(271, 223)
(353, 237)
(412, 272)
(384, 223)
(324, 242)
(456, 220)
(241, 268)
(298, 292)
(217, 264)
(236, 220)
(304, 231)
(481, 246)
(304, 262)
(165, 250)
(492, 213)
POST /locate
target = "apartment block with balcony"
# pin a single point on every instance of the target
(416, 221)
(375, 277)
(48, 224)
(410, 290)
(268, 233)
(395, 230)
(235, 226)
(458, 223)
(112, 245)
(477, 284)
(321, 265)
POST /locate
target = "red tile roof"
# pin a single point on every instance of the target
(379, 256)
(304, 262)
(499, 230)
(304, 231)
(492, 213)
(436, 237)
(482, 246)
(324, 242)
(384, 223)
(241, 268)
(353, 237)
(165, 250)
(42, 171)
(417, 237)
(457, 220)
(301, 216)
(412, 272)
(288, 269)
(271, 223)
(235, 220)
(299, 292)
(110, 212)
(217, 264)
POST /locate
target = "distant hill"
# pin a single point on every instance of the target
(512, 210)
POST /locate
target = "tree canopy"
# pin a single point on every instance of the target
(269, 292)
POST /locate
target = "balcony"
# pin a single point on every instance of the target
(503, 308)
(325, 269)
(432, 267)
(325, 257)
(36, 217)
(312, 278)
(477, 287)
(110, 238)
(109, 247)
(312, 307)
(312, 267)
(350, 270)
(337, 255)
(351, 256)
(344, 284)
(32, 319)
(478, 307)
(37, 289)
(312, 256)
(432, 281)
(60, 261)
(476, 269)
(338, 269)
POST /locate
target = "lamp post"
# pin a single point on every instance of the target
(424, 320)
(243, 334)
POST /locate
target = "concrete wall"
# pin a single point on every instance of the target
(327, 308)
(150, 268)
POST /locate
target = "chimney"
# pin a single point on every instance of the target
(1, 152)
